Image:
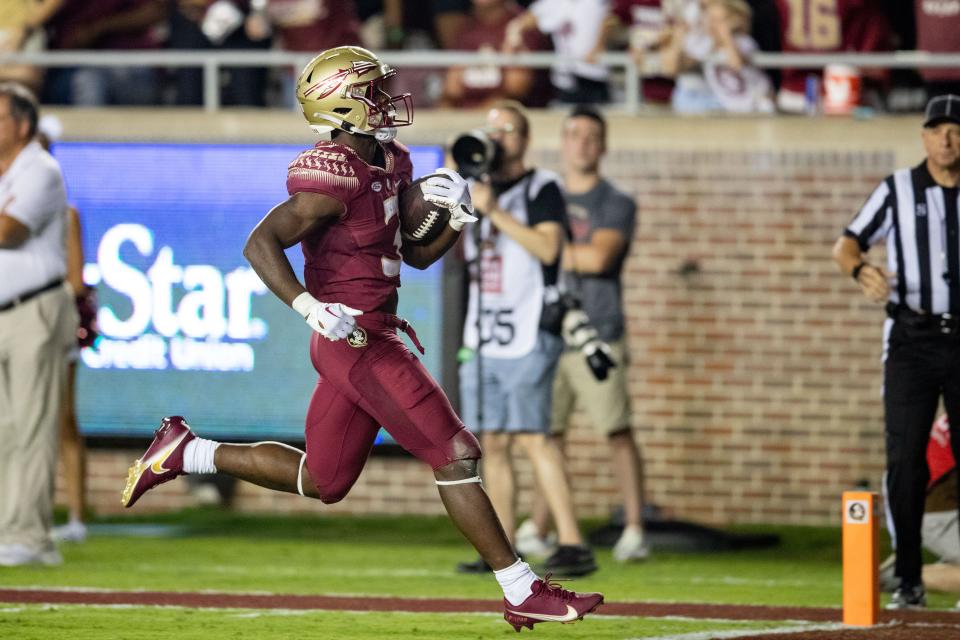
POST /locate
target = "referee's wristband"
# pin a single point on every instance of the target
(855, 274)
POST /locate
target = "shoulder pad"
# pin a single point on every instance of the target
(326, 168)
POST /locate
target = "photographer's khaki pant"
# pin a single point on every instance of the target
(606, 402)
(35, 338)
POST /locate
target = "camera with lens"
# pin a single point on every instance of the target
(476, 154)
(562, 314)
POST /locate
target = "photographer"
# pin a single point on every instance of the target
(602, 220)
(507, 379)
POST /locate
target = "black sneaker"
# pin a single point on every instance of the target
(477, 566)
(908, 597)
(571, 560)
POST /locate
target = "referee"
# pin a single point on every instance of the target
(916, 212)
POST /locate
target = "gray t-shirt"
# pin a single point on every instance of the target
(603, 207)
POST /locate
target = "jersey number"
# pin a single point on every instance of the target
(814, 24)
(391, 266)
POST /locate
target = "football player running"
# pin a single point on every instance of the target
(343, 211)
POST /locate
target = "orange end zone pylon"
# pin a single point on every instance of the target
(861, 559)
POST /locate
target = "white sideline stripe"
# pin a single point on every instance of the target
(745, 633)
(295, 571)
(216, 592)
(248, 612)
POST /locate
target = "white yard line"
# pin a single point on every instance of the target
(745, 633)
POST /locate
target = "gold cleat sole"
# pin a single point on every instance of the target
(133, 475)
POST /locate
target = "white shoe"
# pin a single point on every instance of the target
(631, 547)
(73, 531)
(16, 555)
(529, 543)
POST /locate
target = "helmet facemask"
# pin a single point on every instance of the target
(383, 110)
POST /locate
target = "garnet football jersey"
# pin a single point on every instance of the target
(823, 26)
(356, 259)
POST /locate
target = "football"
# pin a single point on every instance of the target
(420, 221)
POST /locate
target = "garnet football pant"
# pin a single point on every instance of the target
(368, 380)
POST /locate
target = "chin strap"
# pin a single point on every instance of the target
(385, 134)
(473, 480)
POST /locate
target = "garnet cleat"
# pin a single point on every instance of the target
(162, 462)
(549, 602)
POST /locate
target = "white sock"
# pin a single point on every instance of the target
(198, 456)
(515, 581)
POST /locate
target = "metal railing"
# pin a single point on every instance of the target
(211, 61)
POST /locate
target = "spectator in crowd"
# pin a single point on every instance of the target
(645, 29)
(37, 329)
(445, 20)
(506, 385)
(579, 29)
(309, 25)
(305, 25)
(482, 85)
(940, 530)
(107, 25)
(938, 31)
(73, 451)
(922, 353)
(450, 18)
(217, 24)
(381, 23)
(712, 63)
(602, 221)
(856, 25)
(21, 23)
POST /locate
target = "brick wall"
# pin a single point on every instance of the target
(755, 371)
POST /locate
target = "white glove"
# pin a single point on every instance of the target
(332, 320)
(450, 191)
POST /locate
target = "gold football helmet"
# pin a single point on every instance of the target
(342, 88)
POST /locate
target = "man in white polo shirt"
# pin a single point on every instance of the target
(37, 328)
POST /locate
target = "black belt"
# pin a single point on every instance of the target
(33, 293)
(934, 323)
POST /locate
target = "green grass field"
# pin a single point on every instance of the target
(402, 557)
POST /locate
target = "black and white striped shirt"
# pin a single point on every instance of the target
(919, 220)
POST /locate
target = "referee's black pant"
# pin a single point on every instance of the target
(922, 363)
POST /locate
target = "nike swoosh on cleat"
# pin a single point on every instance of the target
(157, 465)
(571, 615)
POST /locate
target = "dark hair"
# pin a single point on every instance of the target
(23, 104)
(590, 111)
